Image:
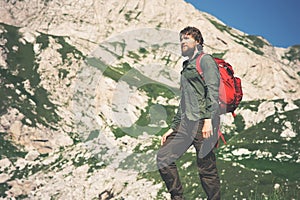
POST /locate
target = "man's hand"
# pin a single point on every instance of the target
(164, 137)
(207, 128)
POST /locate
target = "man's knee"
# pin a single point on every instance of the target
(207, 165)
(165, 157)
(161, 159)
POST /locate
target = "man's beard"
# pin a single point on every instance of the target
(188, 52)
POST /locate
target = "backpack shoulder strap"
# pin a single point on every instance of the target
(198, 67)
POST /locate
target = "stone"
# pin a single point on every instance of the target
(15, 129)
(21, 163)
(4, 164)
(20, 187)
(4, 177)
(32, 155)
(44, 149)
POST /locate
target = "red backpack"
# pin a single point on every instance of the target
(230, 89)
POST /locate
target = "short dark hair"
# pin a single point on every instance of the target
(194, 32)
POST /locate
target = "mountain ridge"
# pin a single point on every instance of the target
(228, 44)
(91, 85)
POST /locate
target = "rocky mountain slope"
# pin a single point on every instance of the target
(87, 88)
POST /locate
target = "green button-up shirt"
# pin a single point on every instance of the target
(199, 98)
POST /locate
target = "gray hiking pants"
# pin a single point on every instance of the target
(189, 133)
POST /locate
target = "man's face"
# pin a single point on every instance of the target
(188, 45)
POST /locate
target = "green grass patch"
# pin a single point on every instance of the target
(293, 53)
(219, 55)
(22, 66)
(8, 149)
(150, 121)
(256, 41)
(67, 51)
(132, 15)
(3, 188)
(251, 105)
(249, 176)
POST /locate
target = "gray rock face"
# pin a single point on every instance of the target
(78, 115)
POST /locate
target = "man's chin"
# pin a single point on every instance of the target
(187, 52)
(184, 54)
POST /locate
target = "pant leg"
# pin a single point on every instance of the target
(208, 174)
(166, 157)
(206, 163)
(175, 146)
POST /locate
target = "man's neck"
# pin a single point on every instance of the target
(192, 56)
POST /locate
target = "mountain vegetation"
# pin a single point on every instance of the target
(88, 88)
